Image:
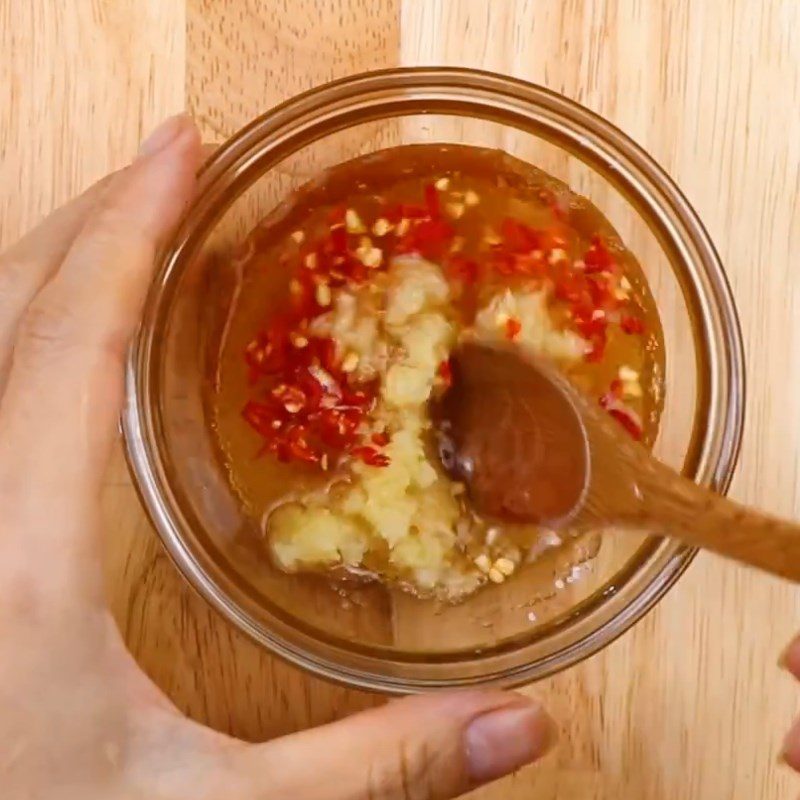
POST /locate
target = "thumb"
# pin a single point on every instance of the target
(429, 747)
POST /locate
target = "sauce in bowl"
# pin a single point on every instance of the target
(353, 294)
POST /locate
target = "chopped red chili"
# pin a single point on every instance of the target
(628, 420)
(432, 200)
(513, 328)
(598, 258)
(519, 237)
(461, 268)
(429, 237)
(370, 456)
(632, 325)
(611, 401)
(311, 409)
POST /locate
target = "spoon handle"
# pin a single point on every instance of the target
(702, 518)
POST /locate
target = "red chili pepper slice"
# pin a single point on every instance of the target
(311, 390)
(411, 211)
(323, 350)
(293, 446)
(628, 421)
(461, 268)
(370, 456)
(632, 325)
(600, 291)
(260, 417)
(338, 241)
(430, 238)
(432, 200)
(598, 258)
(292, 398)
(530, 266)
(336, 429)
(336, 215)
(445, 372)
(503, 263)
(358, 398)
(627, 417)
(513, 328)
(519, 237)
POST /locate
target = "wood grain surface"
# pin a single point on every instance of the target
(690, 704)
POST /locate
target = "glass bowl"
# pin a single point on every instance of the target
(371, 638)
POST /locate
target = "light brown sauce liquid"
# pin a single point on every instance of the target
(507, 187)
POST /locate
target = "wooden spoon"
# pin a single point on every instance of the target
(531, 448)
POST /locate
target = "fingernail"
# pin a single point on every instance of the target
(163, 135)
(505, 740)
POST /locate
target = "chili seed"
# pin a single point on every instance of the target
(491, 238)
(323, 295)
(495, 576)
(350, 362)
(455, 210)
(483, 563)
(370, 256)
(381, 227)
(632, 389)
(471, 198)
(299, 341)
(353, 222)
(505, 565)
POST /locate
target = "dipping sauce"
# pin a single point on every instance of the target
(353, 295)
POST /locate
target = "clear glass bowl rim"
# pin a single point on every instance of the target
(719, 418)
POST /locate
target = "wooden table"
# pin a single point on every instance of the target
(688, 705)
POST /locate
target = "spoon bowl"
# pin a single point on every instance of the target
(531, 448)
(512, 433)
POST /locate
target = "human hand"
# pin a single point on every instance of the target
(790, 660)
(77, 717)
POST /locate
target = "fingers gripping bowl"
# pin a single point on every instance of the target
(183, 437)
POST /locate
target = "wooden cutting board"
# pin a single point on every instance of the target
(688, 705)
